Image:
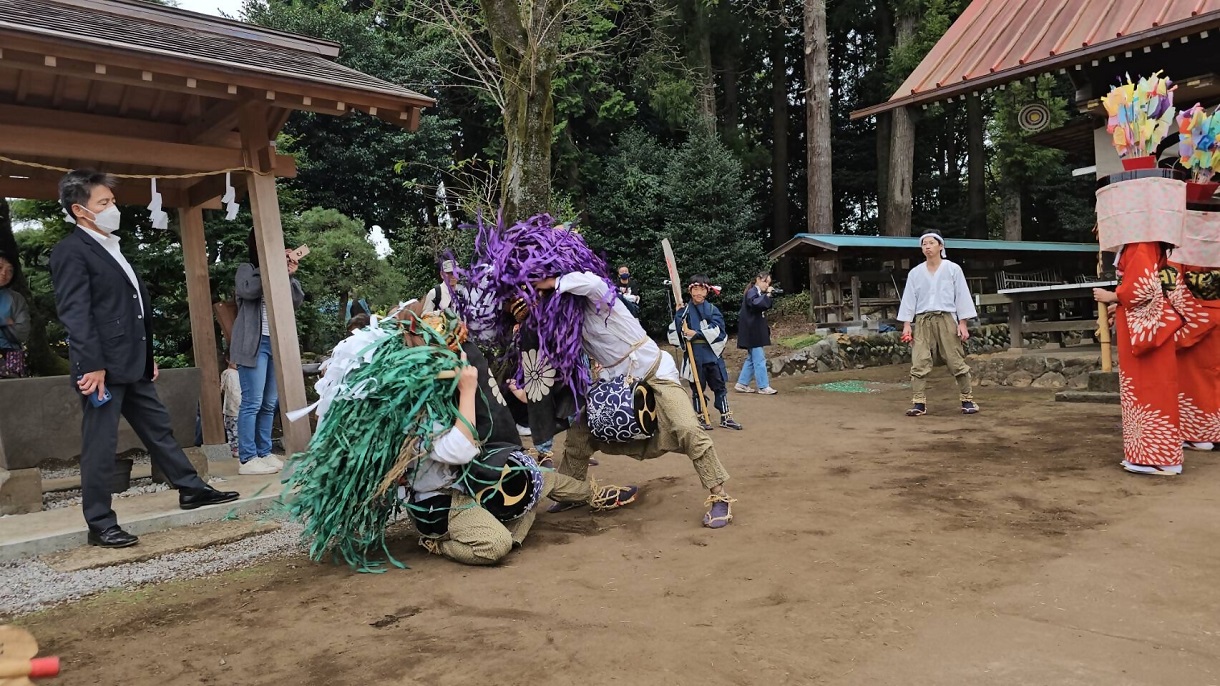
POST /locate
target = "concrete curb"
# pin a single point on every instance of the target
(1099, 397)
(139, 525)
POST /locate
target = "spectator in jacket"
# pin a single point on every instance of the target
(251, 351)
(754, 334)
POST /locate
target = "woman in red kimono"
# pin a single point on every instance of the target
(1194, 272)
(1147, 362)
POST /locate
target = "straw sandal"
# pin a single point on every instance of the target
(720, 510)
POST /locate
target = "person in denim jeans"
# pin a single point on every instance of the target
(754, 334)
(251, 352)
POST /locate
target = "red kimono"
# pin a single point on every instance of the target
(1147, 359)
(1196, 296)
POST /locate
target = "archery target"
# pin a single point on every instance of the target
(1034, 117)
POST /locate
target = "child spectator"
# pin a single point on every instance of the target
(703, 324)
(230, 394)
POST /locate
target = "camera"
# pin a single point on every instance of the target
(775, 289)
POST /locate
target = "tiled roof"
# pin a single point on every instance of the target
(998, 41)
(139, 27)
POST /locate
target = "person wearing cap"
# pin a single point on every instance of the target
(702, 323)
(936, 303)
(440, 298)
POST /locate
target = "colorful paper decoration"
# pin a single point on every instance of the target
(1139, 114)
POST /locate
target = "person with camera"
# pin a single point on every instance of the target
(754, 334)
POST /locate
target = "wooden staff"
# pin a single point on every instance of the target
(1103, 323)
(672, 265)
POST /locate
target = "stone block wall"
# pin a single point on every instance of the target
(840, 351)
(40, 422)
(1037, 371)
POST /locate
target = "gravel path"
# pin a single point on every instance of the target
(29, 585)
(66, 472)
(53, 500)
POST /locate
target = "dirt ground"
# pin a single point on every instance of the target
(869, 548)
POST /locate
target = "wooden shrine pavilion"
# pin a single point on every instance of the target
(145, 91)
(1093, 43)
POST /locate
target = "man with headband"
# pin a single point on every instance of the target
(937, 301)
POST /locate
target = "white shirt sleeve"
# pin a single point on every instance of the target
(453, 448)
(585, 284)
(906, 309)
(962, 300)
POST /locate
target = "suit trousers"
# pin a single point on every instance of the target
(139, 405)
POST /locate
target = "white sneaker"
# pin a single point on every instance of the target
(257, 466)
(1198, 446)
(742, 388)
(272, 459)
(523, 430)
(768, 391)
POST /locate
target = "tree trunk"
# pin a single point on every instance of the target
(976, 169)
(902, 172)
(1012, 211)
(949, 150)
(526, 50)
(729, 120)
(817, 124)
(902, 152)
(781, 230)
(885, 43)
(707, 78)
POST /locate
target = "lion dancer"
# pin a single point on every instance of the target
(473, 503)
(1194, 275)
(578, 318)
(1140, 218)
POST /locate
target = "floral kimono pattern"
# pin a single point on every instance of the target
(1147, 323)
(1195, 295)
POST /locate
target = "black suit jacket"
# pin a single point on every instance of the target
(99, 306)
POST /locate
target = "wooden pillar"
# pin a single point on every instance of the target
(855, 298)
(269, 237)
(1016, 333)
(203, 331)
(815, 296)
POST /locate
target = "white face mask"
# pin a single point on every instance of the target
(108, 219)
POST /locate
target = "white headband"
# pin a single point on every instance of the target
(938, 240)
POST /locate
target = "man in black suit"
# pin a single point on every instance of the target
(106, 310)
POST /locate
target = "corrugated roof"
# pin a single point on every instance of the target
(834, 242)
(172, 33)
(998, 41)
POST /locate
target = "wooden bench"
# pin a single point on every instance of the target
(1017, 297)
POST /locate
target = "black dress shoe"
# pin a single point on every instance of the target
(114, 537)
(198, 497)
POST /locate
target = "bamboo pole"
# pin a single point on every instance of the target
(1103, 324)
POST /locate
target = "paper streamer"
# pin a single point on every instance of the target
(352, 352)
(230, 199)
(160, 220)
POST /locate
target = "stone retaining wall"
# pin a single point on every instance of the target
(840, 351)
(41, 417)
(1039, 371)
